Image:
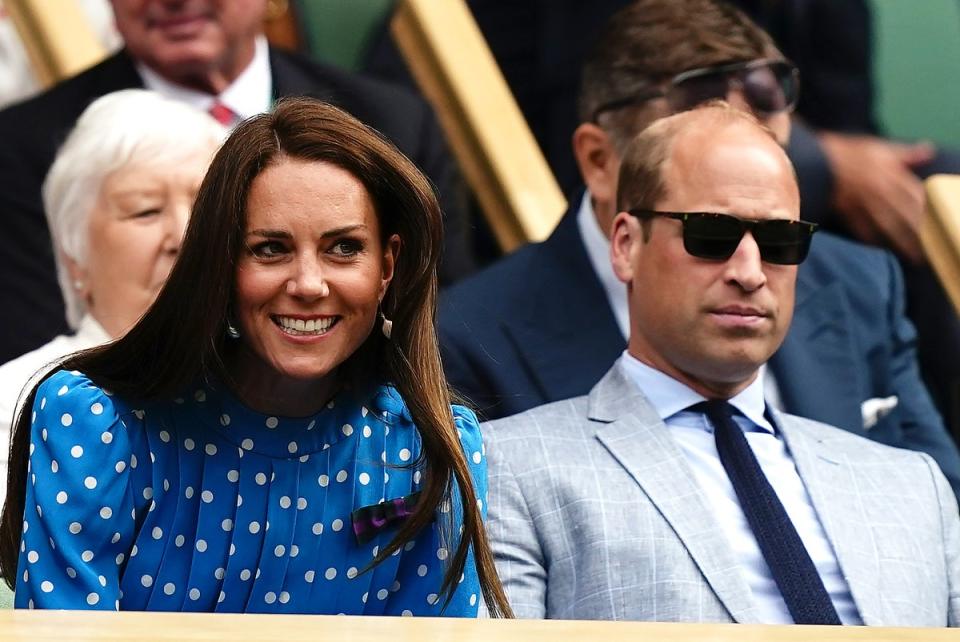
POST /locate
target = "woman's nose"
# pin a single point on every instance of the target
(308, 280)
(177, 221)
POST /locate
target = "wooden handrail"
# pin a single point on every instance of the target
(940, 232)
(63, 626)
(57, 36)
(499, 156)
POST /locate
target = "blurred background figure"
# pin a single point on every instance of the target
(211, 54)
(544, 323)
(854, 179)
(117, 200)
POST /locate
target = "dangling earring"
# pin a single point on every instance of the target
(387, 327)
(232, 330)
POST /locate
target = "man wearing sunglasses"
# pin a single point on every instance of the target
(546, 323)
(673, 491)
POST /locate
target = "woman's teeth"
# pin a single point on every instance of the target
(305, 326)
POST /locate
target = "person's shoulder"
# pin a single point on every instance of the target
(564, 418)
(72, 393)
(61, 104)
(17, 373)
(347, 87)
(835, 257)
(845, 444)
(498, 287)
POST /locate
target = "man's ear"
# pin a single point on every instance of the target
(626, 239)
(598, 161)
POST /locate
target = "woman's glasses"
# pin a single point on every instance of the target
(716, 236)
(768, 87)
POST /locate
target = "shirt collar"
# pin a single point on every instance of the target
(251, 93)
(598, 251)
(669, 396)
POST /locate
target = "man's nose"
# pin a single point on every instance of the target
(744, 268)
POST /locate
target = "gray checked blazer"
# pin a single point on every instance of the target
(594, 513)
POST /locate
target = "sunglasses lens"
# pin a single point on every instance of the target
(697, 90)
(711, 236)
(716, 237)
(771, 88)
(768, 88)
(782, 242)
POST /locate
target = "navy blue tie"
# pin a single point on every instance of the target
(793, 570)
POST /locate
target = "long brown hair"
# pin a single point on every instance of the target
(182, 337)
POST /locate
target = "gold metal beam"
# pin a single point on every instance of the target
(57, 36)
(499, 156)
(940, 232)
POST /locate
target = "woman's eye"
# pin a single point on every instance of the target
(268, 249)
(347, 247)
(145, 213)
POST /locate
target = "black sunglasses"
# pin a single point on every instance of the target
(707, 235)
(768, 86)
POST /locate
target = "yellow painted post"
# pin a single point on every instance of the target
(57, 36)
(499, 156)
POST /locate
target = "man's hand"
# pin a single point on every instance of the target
(876, 192)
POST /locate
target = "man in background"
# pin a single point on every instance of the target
(545, 323)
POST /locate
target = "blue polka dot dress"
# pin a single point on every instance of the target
(201, 504)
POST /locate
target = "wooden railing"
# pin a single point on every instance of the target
(940, 232)
(496, 150)
(62, 626)
(57, 36)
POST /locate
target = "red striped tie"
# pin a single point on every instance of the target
(223, 114)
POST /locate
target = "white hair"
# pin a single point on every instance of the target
(133, 125)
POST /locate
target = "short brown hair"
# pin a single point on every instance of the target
(641, 183)
(650, 41)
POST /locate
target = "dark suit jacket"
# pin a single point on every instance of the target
(30, 133)
(536, 327)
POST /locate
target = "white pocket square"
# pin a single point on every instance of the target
(873, 410)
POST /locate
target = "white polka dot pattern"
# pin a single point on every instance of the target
(258, 507)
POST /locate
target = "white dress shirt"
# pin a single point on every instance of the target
(693, 432)
(250, 94)
(17, 373)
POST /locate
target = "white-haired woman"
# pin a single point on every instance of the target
(117, 199)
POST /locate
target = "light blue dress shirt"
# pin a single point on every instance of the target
(693, 432)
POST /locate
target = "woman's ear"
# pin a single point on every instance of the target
(391, 251)
(79, 281)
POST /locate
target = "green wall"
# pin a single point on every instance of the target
(337, 31)
(917, 67)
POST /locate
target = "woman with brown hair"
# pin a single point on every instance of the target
(275, 434)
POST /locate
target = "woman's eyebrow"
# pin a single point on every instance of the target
(343, 230)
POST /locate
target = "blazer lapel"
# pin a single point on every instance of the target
(816, 368)
(822, 469)
(566, 333)
(632, 432)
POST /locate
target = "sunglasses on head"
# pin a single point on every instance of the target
(767, 86)
(707, 235)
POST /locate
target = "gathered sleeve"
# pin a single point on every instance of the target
(79, 515)
(426, 560)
